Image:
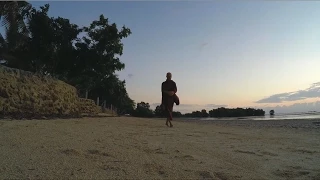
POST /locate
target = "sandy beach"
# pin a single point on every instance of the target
(136, 148)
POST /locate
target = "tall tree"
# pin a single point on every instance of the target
(98, 52)
(51, 43)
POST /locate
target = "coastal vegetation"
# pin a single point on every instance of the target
(271, 112)
(85, 57)
(143, 110)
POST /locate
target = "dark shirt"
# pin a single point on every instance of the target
(168, 85)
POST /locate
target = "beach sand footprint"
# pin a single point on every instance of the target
(186, 157)
(224, 176)
(153, 169)
(246, 152)
(205, 175)
(295, 172)
(71, 152)
(90, 153)
(311, 152)
(262, 153)
(162, 174)
(194, 135)
(227, 133)
(97, 152)
(155, 151)
(291, 173)
(113, 170)
(268, 153)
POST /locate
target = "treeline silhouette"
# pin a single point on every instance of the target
(227, 112)
(143, 110)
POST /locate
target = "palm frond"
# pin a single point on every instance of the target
(2, 40)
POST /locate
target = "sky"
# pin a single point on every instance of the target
(234, 54)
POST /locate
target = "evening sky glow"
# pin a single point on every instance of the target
(230, 53)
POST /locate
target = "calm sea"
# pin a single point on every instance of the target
(313, 115)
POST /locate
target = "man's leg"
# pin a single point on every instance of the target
(170, 107)
(168, 115)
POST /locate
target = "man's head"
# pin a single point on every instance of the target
(169, 76)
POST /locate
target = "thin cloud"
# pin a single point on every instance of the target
(215, 105)
(130, 75)
(294, 108)
(203, 45)
(312, 92)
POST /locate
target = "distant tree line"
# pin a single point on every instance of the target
(143, 110)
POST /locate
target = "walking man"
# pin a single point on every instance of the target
(168, 89)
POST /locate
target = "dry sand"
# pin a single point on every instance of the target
(133, 148)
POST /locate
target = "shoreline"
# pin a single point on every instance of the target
(281, 123)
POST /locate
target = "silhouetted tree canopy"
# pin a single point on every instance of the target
(158, 112)
(225, 112)
(237, 112)
(53, 46)
(143, 110)
(271, 112)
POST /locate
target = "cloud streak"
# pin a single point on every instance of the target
(312, 92)
(215, 105)
(203, 45)
(130, 75)
(294, 108)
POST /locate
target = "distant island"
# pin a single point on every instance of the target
(143, 110)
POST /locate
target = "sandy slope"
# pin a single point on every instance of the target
(108, 148)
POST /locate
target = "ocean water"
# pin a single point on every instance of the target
(309, 115)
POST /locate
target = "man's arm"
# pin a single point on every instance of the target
(175, 89)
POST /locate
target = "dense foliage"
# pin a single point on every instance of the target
(143, 110)
(85, 57)
(271, 112)
(226, 112)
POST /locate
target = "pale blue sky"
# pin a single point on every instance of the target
(220, 52)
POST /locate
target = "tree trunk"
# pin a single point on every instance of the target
(86, 94)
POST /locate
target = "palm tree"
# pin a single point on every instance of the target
(12, 16)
